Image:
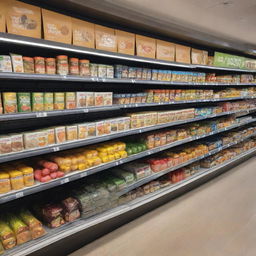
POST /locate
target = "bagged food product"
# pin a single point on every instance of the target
(91, 129)
(28, 64)
(35, 226)
(30, 140)
(70, 209)
(48, 101)
(6, 64)
(5, 183)
(7, 236)
(52, 215)
(71, 132)
(70, 100)
(60, 134)
(9, 102)
(81, 99)
(17, 142)
(17, 63)
(99, 98)
(24, 102)
(39, 65)
(59, 100)
(20, 229)
(5, 145)
(37, 101)
(127, 176)
(1, 248)
(50, 66)
(82, 131)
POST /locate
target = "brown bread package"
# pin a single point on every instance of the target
(125, 42)
(182, 53)
(196, 56)
(145, 46)
(23, 19)
(165, 50)
(57, 27)
(83, 33)
(105, 38)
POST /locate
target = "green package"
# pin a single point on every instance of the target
(37, 101)
(24, 102)
(48, 101)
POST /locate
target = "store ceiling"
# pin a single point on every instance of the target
(226, 24)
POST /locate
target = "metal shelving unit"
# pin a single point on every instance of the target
(55, 235)
(12, 195)
(45, 44)
(79, 143)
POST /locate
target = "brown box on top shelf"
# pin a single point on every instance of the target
(83, 33)
(3, 9)
(125, 42)
(182, 53)
(196, 56)
(145, 46)
(205, 57)
(23, 19)
(105, 38)
(57, 27)
(165, 50)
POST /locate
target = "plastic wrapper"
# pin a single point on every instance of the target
(7, 236)
(70, 209)
(20, 229)
(71, 216)
(127, 176)
(35, 226)
(1, 248)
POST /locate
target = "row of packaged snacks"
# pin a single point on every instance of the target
(20, 174)
(101, 192)
(156, 96)
(13, 102)
(63, 65)
(17, 142)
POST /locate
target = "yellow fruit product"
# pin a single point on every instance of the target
(111, 157)
(16, 178)
(5, 184)
(28, 175)
(123, 154)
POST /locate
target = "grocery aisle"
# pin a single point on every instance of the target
(217, 219)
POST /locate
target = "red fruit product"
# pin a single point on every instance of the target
(60, 174)
(38, 174)
(45, 172)
(53, 175)
(46, 178)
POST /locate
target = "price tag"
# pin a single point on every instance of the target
(140, 131)
(85, 110)
(133, 81)
(149, 152)
(83, 174)
(120, 161)
(116, 163)
(136, 105)
(104, 80)
(55, 149)
(19, 194)
(66, 180)
(41, 114)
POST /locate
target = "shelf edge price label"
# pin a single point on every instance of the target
(55, 149)
(85, 110)
(83, 174)
(41, 114)
(19, 194)
(66, 180)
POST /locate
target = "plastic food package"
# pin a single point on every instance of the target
(59, 100)
(6, 64)
(24, 102)
(20, 229)
(1, 248)
(37, 101)
(81, 99)
(17, 142)
(5, 183)
(71, 132)
(70, 209)
(7, 236)
(70, 100)
(9, 102)
(5, 145)
(35, 226)
(60, 134)
(48, 101)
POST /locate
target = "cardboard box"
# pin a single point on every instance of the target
(196, 56)
(23, 19)
(182, 53)
(105, 38)
(145, 46)
(83, 33)
(165, 50)
(125, 42)
(3, 9)
(57, 27)
(205, 58)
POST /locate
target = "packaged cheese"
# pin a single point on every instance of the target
(59, 100)
(145, 46)
(165, 50)
(48, 101)
(182, 53)
(105, 38)
(60, 134)
(9, 102)
(6, 64)
(57, 27)
(37, 101)
(23, 19)
(83, 33)
(71, 132)
(24, 102)
(82, 131)
(125, 42)
(81, 99)
(70, 100)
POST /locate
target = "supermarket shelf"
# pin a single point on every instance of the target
(159, 174)
(43, 114)
(81, 174)
(41, 43)
(79, 143)
(55, 235)
(72, 78)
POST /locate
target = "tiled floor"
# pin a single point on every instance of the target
(217, 219)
